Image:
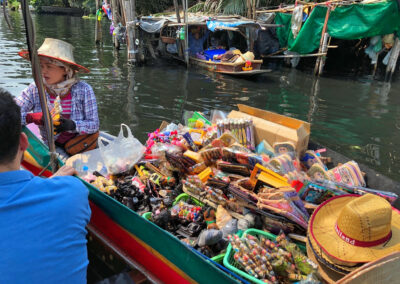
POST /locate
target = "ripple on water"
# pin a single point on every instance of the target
(346, 114)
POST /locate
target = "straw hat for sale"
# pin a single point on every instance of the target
(349, 230)
(325, 270)
(59, 50)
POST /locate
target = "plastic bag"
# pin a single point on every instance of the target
(121, 154)
(88, 162)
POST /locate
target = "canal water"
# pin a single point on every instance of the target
(357, 117)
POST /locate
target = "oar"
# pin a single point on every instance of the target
(36, 72)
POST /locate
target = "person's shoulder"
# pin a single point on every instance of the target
(31, 87)
(69, 184)
(83, 85)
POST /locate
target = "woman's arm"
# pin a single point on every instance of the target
(88, 120)
(26, 101)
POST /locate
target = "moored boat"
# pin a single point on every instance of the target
(234, 69)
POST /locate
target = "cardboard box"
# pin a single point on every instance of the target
(273, 127)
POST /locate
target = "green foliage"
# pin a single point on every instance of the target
(13, 4)
(235, 7)
(231, 7)
(146, 7)
(198, 7)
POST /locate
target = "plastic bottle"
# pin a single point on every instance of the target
(182, 33)
(85, 170)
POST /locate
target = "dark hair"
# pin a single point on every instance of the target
(10, 127)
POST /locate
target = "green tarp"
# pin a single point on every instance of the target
(345, 22)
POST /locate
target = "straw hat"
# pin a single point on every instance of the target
(327, 273)
(59, 50)
(350, 229)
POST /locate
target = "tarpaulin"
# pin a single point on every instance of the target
(345, 22)
(211, 25)
(152, 26)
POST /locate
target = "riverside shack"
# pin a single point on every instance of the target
(365, 32)
(223, 44)
(315, 29)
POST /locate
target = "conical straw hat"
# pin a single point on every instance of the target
(59, 50)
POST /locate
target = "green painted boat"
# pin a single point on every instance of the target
(156, 252)
(152, 250)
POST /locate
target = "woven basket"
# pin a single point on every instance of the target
(168, 40)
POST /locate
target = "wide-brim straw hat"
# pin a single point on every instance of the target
(350, 229)
(328, 274)
(331, 269)
(59, 50)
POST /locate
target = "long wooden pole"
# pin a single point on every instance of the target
(129, 12)
(186, 50)
(37, 76)
(324, 28)
(324, 51)
(114, 9)
(178, 17)
(6, 17)
(248, 4)
(254, 10)
(98, 33)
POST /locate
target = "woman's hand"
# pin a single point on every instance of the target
(65, 125)
(36, 118)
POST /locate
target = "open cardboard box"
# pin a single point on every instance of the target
(273, 127)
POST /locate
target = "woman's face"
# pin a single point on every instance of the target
(52, 74)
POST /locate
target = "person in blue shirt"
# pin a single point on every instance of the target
(196, 40)
(42, 221)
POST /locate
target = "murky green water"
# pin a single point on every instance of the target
(359, 118)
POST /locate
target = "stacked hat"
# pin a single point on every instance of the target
(347, 231)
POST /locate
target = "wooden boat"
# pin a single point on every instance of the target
(234, 69)
(141, 244)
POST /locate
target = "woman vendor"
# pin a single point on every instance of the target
(78, 107)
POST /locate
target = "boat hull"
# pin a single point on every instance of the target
(163, 256)
(229, 68)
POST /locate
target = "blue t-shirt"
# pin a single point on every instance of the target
(196, 45)
(42, 229)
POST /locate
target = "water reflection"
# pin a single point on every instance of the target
(360, 118)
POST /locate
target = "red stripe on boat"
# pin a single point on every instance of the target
(133, 247)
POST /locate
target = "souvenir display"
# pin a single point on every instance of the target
(205, 184)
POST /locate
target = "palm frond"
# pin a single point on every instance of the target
(235, 7)
(198, 7)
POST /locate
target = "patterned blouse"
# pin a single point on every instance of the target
(83, 107)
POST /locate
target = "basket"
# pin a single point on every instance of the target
(231, 264)
(218, 258)
(147, 216)
(185, 197)
(169, 40)
(209, 53)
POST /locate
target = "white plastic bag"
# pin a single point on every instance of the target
(297, 20)
(121, 154)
